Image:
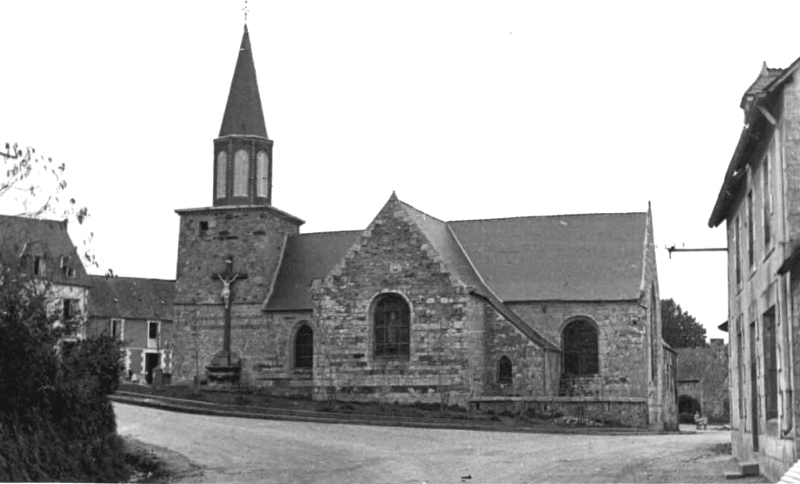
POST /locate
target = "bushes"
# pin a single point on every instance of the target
(56, 422)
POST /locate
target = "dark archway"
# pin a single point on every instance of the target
(579, 340)
(505, 373)
(304, 347)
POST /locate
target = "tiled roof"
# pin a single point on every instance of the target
(305, 258)
(591, 257)
(243, 112)
(701, 364)
(131, 297)
(48, 238)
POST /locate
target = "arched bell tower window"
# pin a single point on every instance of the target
(222, 174)
(241, 170)
(262, 174)
(304, 347)
(579, 340)
(391, 319)
(504, 370)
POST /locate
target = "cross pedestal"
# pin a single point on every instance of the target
(226, 365)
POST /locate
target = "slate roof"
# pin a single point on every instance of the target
(305, 258)
(131, 298)
(243, 112)
(29, 236)
(589, 257)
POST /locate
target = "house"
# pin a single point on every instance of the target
(557, 313)
(139, 313)
(703, 381)
(43, 249)
(759, 202)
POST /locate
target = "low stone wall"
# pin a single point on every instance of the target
(615, 411)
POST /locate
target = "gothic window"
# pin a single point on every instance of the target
(504, 370)
(241, 169)
(304, 347)
(222, 174)
(392, 321)
(579, 340)
(262, 174)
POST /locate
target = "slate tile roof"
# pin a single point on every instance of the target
(50, 238)
(305, 258)
(131, 298)
(243, 112)
(589, 257)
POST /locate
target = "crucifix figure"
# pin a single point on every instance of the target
(228, 278)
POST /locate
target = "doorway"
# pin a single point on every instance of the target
(151, 361)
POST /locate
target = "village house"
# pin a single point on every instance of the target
(45, 252)
(703, 382)
(138, 312)
(759, 202)
(556, 314)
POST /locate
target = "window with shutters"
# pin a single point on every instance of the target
(262, 174)
(222, 174)
(241, 170)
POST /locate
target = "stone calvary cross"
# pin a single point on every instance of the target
(228, 278)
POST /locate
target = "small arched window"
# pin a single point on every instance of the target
(222, 174)
(391, 317)
(241, 170)
(304, 347)
(262, 174)
(504, 370)
(579, 340)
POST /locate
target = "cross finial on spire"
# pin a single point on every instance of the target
(245, 10)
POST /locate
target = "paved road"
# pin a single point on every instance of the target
(244, 450)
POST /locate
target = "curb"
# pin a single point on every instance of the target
(215, 410)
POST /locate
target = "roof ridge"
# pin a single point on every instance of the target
(420, 211)
(548, 216)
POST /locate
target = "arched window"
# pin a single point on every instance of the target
(391, 317)
(304, 347)
(579, 340)
(262, 174)
(241, 170)
(222, 174)
(504, 370)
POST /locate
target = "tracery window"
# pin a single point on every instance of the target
(579, 340)
(241, 170)
(222, 174)
(504, 370)
(392, 320)
(304, 347)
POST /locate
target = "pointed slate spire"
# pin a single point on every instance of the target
(243, 113)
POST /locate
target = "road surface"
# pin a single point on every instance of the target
(245, 450)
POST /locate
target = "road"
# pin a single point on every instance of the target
(244, 450)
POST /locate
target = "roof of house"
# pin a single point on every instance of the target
(756, 98)
(40, 237)
(131, 298)
(243, 112)
(590, 257)
(702, 364)
(305, 258)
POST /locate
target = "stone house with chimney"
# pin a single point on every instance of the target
(540, 313)
(759, 202)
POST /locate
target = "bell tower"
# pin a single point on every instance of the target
(243, 151)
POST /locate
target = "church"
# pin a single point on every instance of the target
(544, 312)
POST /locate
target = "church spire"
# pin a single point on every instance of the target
(243, 152)
(243, 113)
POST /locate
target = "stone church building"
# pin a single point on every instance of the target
(555, 312)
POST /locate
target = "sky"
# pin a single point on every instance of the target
(466, 109)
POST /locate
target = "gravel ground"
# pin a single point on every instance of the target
(220, 449)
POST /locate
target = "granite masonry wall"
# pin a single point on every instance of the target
(255, 236)
(447, 354)
(614, 411)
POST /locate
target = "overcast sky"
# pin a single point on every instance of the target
(467, 110)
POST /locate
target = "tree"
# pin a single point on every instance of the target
(679, 328)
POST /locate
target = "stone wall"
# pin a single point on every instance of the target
(613, 411)
(447, 355)
(622, 343)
